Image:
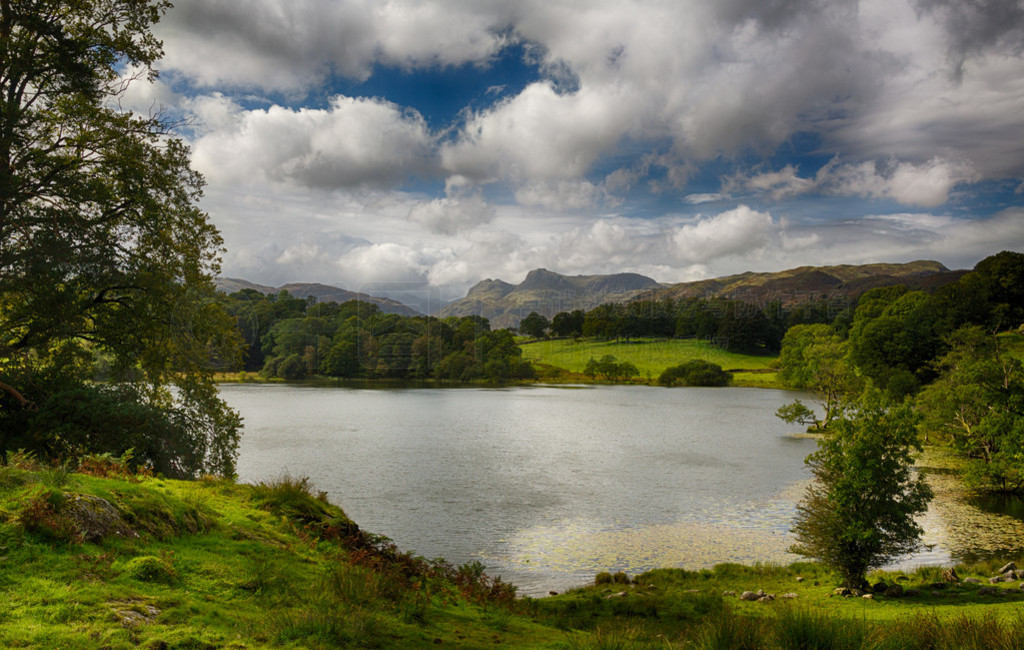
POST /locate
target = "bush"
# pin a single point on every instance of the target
(149, 568)
(696, 372)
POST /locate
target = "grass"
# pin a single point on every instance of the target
(650, 356)
(212, 563)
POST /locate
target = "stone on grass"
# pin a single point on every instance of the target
(894, 591)
(1009, 566)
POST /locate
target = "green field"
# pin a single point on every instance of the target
(650, 356)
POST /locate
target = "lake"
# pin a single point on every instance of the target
(546, 485)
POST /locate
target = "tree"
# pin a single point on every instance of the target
(534, 325)
(695, 372)
(859, 512)
(103, 250)
(977, 404)
(815, 359)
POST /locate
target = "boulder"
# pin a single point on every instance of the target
(767, 598)
(949, 575)
(988, 591)
(972, 581)
(749, 595)
(868, 596)
(894, 591)
(728, 593)
(789, 595)
(879, 587)
(841, 591)
(1009, 566)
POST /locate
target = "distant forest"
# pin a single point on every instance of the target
(895, 333)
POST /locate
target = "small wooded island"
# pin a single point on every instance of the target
(121, 524)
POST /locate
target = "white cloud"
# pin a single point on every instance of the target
(354, 142)
(737, 232)
(293, 45)
(451, 214)
(927, 184)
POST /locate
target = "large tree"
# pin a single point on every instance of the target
(104, 254)
(859, 512)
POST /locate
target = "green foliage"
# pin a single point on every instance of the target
(816, 359)
(977, 404)
(859, 512)
(149, 568)
(357, 340)
(105, 258)
(695, 372)
(534, 325)
(609, 369)
(797, 412)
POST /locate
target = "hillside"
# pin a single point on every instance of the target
(547, 293)
(102, 558)
(810, 283)
(322, 293)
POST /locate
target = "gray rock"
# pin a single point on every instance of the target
(767, 598)
(789, 595)
(799, 578)
(972, 581)
(620, 594)
(728, 593)
(841, 591)
(894, 591)
(879, 587)
(1009, 566)
(868, 596)
(988, 591)
(749, 595)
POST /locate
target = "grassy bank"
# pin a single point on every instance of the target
(107, 559)
(651, 357)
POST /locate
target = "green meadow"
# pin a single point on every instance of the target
(650, 356)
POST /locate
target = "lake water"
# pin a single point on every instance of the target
(545, 485)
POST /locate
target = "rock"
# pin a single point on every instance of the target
(767, 598)
(1009, 566)
(799, 579)
(868, 596)
(988, 591)
(879, 587)
(841, 591)
(620, 594)
(894, 591)
(552, 593)
(692, 591)
(996, 580)
(856, 592)
(95, 518)
(949, 575)
(972, 581)
(789, 595)
(760, 592)
(728, 593)
(749, 595)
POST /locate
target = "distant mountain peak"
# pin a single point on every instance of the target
(322, 293)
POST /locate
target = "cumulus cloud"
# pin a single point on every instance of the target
(927, 184)
(293, 45)
(451, 214)
(353, 142)
(741, 231)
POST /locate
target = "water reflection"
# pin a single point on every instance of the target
(548, 486)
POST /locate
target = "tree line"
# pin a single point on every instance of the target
(294, 338)
(942, 351)
(734, 325)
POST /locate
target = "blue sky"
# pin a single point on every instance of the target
(432, 144)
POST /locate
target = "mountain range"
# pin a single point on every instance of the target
(549, 293)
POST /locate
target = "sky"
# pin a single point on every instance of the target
(384, 145)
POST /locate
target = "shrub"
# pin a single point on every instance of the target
(150, 568)
(603, 578)
(695, 372)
